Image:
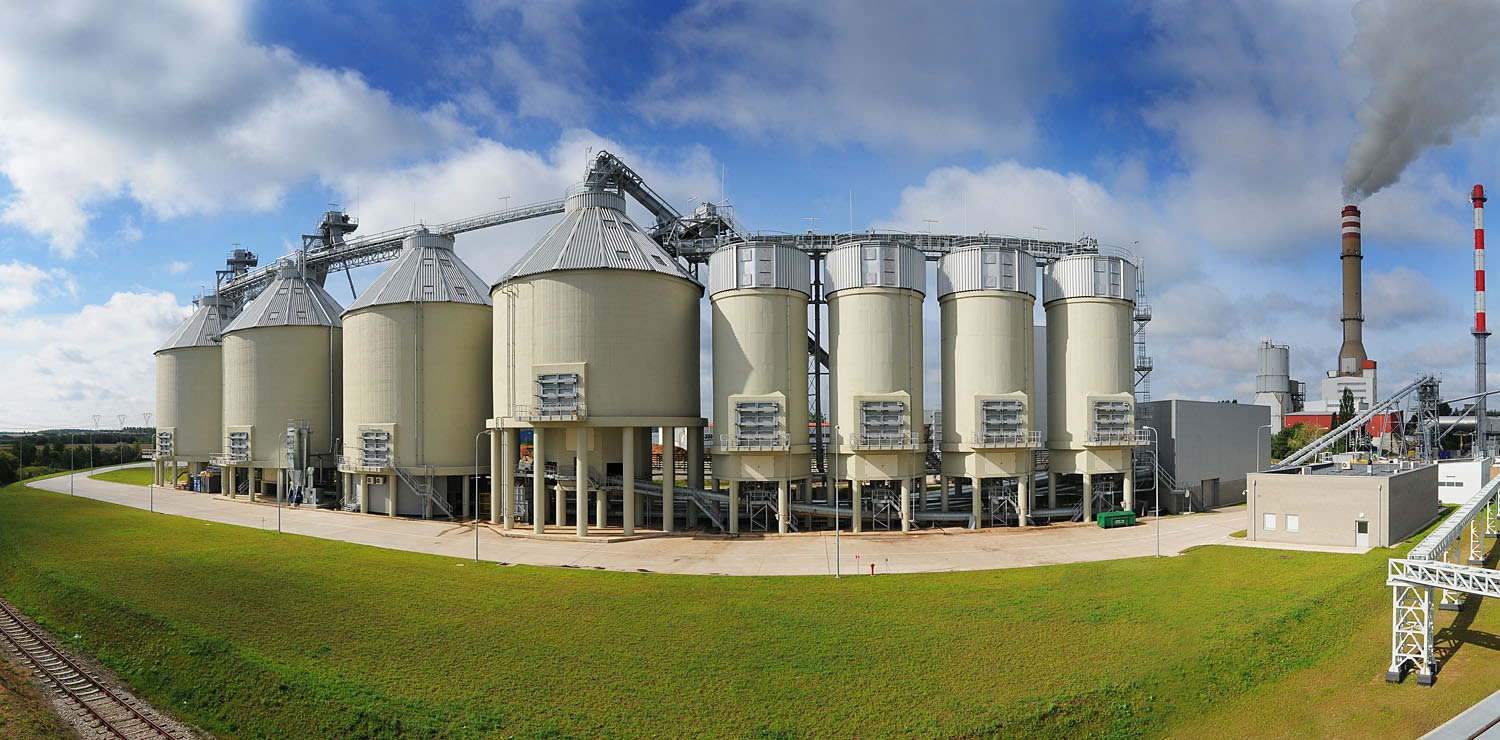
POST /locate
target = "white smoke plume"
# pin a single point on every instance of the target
(1434, 66)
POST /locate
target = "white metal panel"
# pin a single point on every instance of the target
(875, 264)
(1089, 276)
(986, 268)
(757, 265)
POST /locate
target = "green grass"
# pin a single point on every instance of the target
(24, 714)
(251, 635)
(1239, 533)
(133, 476)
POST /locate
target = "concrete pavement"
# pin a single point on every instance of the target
(810, 553)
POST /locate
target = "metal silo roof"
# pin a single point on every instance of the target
(758, 265)
(595, 233)
(290, 300)
(426, 271)
(1089, 276)
(202, 328)
(875, 264)
(985, 267)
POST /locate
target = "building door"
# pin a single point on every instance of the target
(1362, 534)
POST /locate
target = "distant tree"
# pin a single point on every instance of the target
(8, 466)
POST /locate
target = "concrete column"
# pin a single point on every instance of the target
(975, 487)
(502, 486)
(468, 490)
(1051, 490)
(627, 474)
(1130, 490)
(510, 456)
(943, 492)
(1023, 500)
(601, 508)
(228, 481)
(695, 457)
(668, 480)
(538, 483)
(581, 487)
(783, 505)
(281, 496)
(857, 492)
(1088, 497)
(734, 507)
(906, 490)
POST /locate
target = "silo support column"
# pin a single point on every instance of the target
(978, 502)
(943, 492)
(734, 507)
(1023, 501)
(906, 490)
(1088, 497)
(858, 490)
(687, 433)
(581, 484)
(783, 505)
(627, 479)
(560, 505)
(469, 486)
(538, 483)
(1051, 490)
(668, 480)
(510, 456)
(1129, 487)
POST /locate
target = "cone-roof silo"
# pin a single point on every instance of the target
(189, 386)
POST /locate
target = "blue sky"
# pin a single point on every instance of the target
(140, 141)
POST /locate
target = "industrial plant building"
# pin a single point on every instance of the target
(1348, 504)
(1208, 449)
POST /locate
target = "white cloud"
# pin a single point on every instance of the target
(97, 360)
(540, 60)
(945, 77)
(176, 108)
(178, 267)
(23, 285)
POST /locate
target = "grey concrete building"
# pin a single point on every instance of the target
(1207, 449)
(1363, 505)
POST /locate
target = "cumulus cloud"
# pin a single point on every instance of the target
(178, 267)
(952, 77)
(23, 285)
(178, 109)
(539, 61)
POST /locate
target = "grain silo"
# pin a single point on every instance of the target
(759, 294)
(282, 358)
(986, 295)
(1090, 301)
(189, 392)
(875, 292)
(416, 383)
(596, 343)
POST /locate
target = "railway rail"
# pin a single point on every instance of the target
(104, 712)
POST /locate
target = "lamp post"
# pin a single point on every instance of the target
(476, 490)
(1155, 482)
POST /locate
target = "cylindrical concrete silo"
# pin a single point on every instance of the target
(282, 358)
(875, 292)
(189, 392)
(596, 343)
(1273, 384)
(416, 383)
(759, 295)
(1090, 302)
(986, 295)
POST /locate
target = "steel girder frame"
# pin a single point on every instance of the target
(1411, 633)
(1450, 600)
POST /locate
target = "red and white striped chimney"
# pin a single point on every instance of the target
(1477, 197)
(1481, 421)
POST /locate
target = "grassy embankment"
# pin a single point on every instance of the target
(133, 476)
(24, 713)
(256, 635)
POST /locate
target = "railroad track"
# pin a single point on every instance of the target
(106, 713)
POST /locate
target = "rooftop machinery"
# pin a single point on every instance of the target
(189, 392)
(416, 384)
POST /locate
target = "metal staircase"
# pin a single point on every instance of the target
(422, 488)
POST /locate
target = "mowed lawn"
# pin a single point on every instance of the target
(133, 476)
(251, 634)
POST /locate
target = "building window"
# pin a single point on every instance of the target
(1292, 522)
(1270, 524)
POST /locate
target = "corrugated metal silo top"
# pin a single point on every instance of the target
(986, 268)
(202, 328)
(427, 271)
(595, 233)
(749, 265)
(290, 300)
(1089, 276)
(875, 264)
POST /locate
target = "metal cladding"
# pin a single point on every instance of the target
(752, 265)
(986, 296)
(190, 383)
(595, 233)
(427, 271)
(1090, 385)
(416, 369)
(875, 293)
(875, 264)
(759, 298)
(1352, 353)
(282, 359)
(1275, 368)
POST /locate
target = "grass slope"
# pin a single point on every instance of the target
(133, 476)
(256, 635)
(24, 713)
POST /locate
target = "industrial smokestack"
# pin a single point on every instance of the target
(1352, 353)
(1480, 333)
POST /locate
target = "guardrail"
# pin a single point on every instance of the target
(543, 413)
(1118, 439)
(1027, 438)
(733, 443)
(892, 442)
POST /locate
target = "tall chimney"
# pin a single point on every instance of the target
(1481, 423)
(1352, 353)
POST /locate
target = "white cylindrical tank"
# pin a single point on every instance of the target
(417, 377)
(1089, 301)
(875, 292)
(282, 358)
(1275, 368)
(759, 294)
(189, 386)
(986, 295)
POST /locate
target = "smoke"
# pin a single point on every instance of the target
(1433, 67)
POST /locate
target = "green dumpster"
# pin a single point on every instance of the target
(1109, 519)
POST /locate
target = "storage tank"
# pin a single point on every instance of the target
(759, 294)
(416, 383)
(596, 343)
(1273, 384)
(282, 358)
(1090, 302)
(875, 292)
(189, 392)
(986, 295)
